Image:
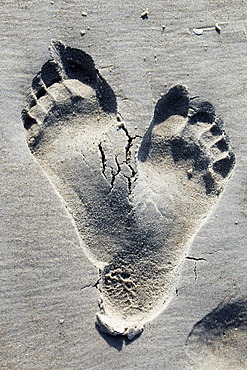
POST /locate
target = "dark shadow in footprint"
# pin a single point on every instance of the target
(220, 337)
(183, 150)
(205, 112)
(185, 146)
(77, 64)
(224, 165)
(174, 102)
(69, 63)
(223, 318)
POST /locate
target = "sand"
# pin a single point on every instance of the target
(50, 285)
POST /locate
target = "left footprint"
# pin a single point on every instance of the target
(75, 133)
(71, 113)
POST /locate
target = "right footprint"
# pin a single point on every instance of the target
(184, 161)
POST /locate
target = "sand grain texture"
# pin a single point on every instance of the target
(49, 287)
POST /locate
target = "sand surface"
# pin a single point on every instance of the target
(49, 287)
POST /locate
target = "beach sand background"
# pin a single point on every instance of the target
(49, 301)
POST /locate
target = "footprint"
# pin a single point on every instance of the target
(136, 216)
(184, 160)
(76, 135)
(218, 341)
